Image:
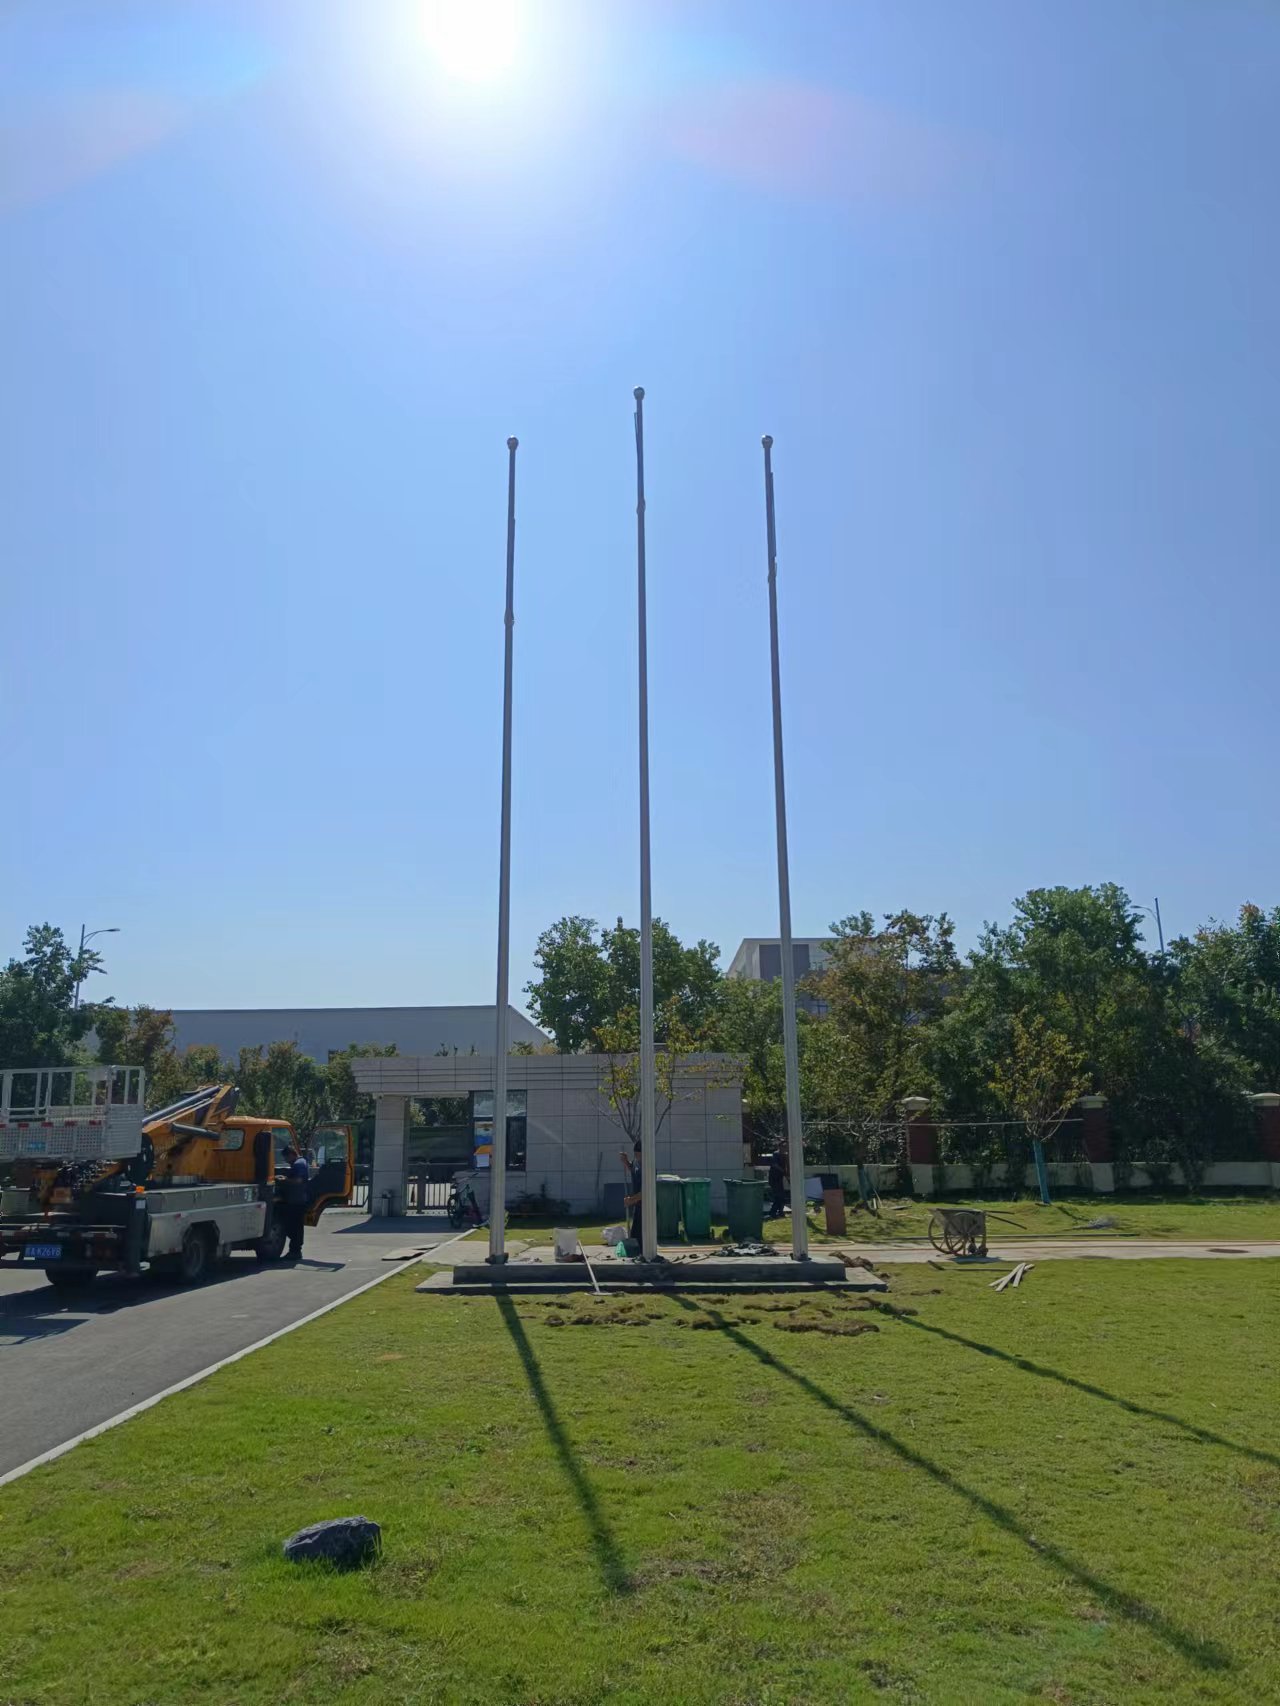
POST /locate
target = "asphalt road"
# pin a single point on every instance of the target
(67, 1364)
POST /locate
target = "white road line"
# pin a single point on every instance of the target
(224, 1362)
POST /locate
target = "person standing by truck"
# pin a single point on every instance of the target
(295, 1190)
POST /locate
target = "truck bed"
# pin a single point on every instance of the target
(123, 1229)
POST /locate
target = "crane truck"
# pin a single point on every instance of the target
(97, 1184)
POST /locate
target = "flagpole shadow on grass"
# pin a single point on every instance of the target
(1204, 1435)
(608, 1555)
(1207, 1654)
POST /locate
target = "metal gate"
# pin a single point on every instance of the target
(425, 1195)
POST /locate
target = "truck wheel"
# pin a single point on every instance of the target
(271, 1248)
(70, 1279)
(197, 1257)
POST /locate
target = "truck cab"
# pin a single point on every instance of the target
(253, 1149)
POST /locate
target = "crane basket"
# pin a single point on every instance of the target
(71, 1113)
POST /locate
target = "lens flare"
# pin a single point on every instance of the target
(476, 41)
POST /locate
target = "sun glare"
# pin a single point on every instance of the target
(475, 41)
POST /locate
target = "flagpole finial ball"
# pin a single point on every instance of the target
(767, 441)
(512, 443)
(638, 393)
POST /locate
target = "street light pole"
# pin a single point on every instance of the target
(107, 930)
(648, 1072)
(1154, 912)
(790, 1048)
(498, 1158)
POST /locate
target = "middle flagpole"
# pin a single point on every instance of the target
(498, 1155)
(795, 1123)
(648, 1065)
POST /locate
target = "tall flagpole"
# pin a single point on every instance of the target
(648, 1074)
(498, 1158)
(795, 1132)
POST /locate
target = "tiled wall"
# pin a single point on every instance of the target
(573, 1143)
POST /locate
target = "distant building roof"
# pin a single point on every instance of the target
(322, 1031)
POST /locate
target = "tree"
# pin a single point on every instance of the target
(1072, 957)
(343, 1100)
(202, 1064)
(1228, 980)
(1038, 1081)
(568, 996)
(848, 1092)
(748, 1025)
(843, 1101)
(143, 1036)
(619, 1041)
(1075, 957)
(1190, 1106)
(280, 1082)
(589, 978)
(686, 981)
(883, 990)
(39, 1022)
(275, 1082)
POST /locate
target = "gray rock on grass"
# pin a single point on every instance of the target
(346, 1541)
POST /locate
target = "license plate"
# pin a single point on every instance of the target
(42, 1252)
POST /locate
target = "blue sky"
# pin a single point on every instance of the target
(277, 284)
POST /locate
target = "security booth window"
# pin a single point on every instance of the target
(517, 1125)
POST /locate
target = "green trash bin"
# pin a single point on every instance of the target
(696, 1198)
(668, 1207)
(746, 1210)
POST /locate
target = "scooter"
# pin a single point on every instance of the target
(462, 1207)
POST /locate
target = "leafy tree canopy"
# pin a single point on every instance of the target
(1228, 979)
(883, 988)
(748, 1024)
(39, 1022)
(589, 977)
(1072, 958)
(1041, 1077)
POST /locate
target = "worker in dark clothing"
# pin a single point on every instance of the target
(297, 1179)
(777, 1185)
(632, 1199)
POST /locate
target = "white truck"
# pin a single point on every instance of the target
(95, 1183)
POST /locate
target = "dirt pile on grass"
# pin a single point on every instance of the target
(808, 1314)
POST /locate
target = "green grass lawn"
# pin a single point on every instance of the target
(1137, 1215)
(1068, 1493)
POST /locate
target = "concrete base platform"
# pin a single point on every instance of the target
(774, 1274)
